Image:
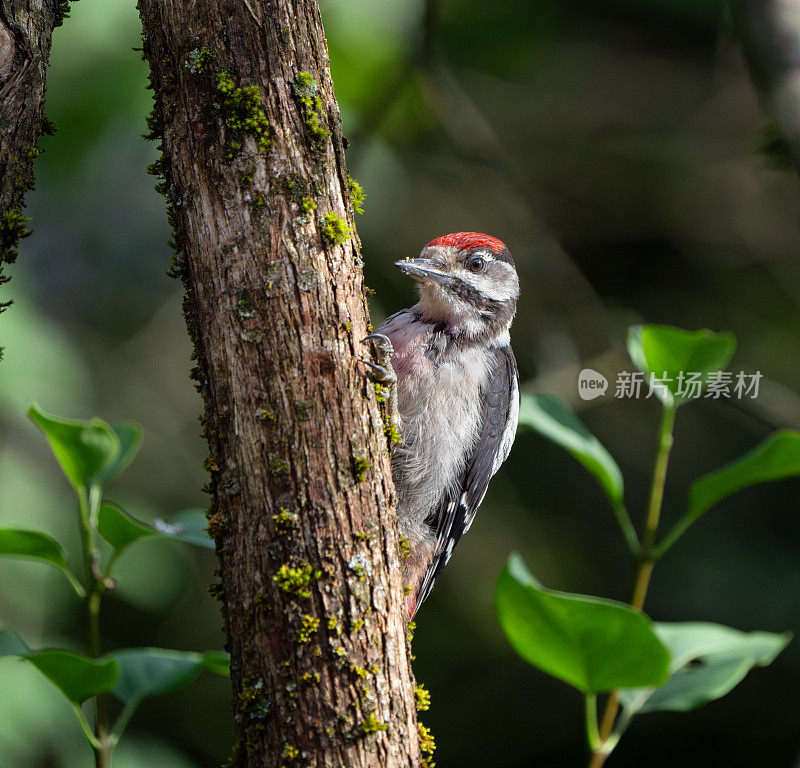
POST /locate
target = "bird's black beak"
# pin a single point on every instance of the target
(424, 271)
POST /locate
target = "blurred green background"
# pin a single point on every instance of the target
(613, 145)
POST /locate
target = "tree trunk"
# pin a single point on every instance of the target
(302, 502)
(770, 32)
(26, 30)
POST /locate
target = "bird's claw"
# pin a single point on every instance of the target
(377, 337)
(382, 372)
(378, 373)
(383, 346)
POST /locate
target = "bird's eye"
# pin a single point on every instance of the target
(476, 264)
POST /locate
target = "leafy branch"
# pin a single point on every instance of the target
(603, 647)
(90, 454)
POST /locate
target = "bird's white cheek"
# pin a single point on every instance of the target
(501, 285)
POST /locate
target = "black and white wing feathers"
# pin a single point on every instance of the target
(456, 511)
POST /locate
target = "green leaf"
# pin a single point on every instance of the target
(708, 660)
(594, 645)
(152, 671)
(86, 450)
(218, 663)
(550, 417)
(130, 439)
(33, 545)
(120, 529)
(11, 645)
(77, 677)
(664, 350)
(188, 526)
(776, 458)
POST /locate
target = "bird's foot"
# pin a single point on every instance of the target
(383, 373)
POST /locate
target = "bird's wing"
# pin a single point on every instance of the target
(456, 511)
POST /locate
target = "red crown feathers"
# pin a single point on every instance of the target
(466, 241)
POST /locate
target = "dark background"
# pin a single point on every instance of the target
(614, 145)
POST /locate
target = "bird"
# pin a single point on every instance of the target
(453, 395)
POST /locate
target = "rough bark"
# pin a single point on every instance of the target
(26, 30)
(302, 501)
(770, 32)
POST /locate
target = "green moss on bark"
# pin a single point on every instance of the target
(357, 194)
(243, 112)
(335, 229)
(296, 580)
(371, 724)
(306, 91)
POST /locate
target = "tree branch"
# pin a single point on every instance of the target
(26, 31)
(302, 501)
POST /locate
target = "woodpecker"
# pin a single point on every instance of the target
(453, 394)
